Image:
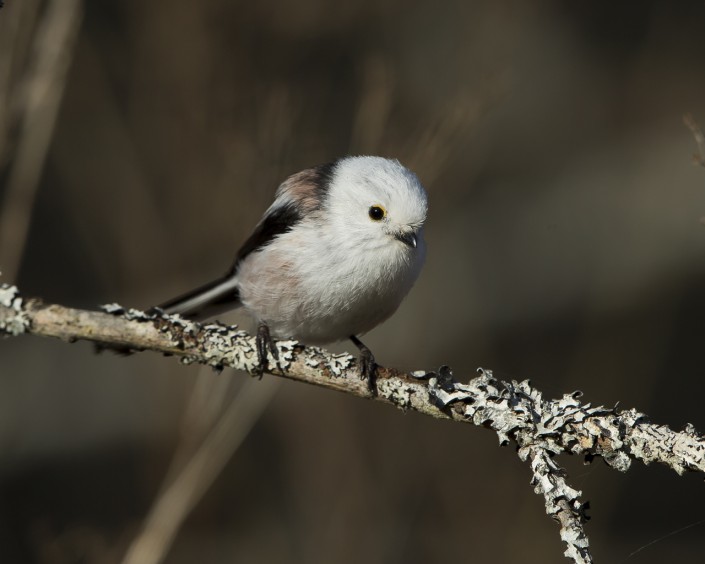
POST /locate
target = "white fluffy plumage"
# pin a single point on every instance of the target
(332, 257)
(338, 272)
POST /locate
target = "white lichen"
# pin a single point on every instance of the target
(286, 353)
(339, 363)
(311, 361)
(396, 392)
(16, 322)
(112, 308)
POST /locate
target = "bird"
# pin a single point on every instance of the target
(332, 257)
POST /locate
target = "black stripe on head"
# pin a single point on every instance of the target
(324, 176)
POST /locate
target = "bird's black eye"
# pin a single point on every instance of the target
(377, 213)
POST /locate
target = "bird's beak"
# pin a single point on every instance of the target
(407, 237)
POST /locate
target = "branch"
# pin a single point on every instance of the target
(516, 411)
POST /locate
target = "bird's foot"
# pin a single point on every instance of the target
(265, 347)
(368, 365)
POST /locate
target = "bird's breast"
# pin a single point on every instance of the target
(321, 293)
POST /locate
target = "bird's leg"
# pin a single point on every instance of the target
(265, 347)
(368, 366)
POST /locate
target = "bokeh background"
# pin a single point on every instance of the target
(141, 141)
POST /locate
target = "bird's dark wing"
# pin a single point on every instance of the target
(278, 221)
(297, 196)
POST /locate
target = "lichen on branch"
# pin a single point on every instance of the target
(516, 411)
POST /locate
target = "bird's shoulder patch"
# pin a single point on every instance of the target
(308, 188)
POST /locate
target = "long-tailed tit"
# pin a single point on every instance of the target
(333, 257)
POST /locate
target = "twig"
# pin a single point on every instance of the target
(15, 25)
(42, 93)
(562, 501)
(192, 481)
(516, 411)
(690, 123)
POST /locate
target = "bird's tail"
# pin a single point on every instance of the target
(206, 301)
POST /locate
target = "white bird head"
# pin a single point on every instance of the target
(378, 202)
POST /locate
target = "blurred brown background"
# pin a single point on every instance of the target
(565, 246)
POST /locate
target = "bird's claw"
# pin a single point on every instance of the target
(265, 347)
(368, 365)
